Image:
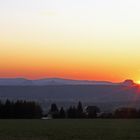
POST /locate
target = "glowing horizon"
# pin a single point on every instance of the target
(82, 39)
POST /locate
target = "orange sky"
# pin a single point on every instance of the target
(94, 40)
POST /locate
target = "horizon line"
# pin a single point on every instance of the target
(64, 79)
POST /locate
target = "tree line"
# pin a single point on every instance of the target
(79, 111)
(20, 109)
(31, 110)
(73, 111)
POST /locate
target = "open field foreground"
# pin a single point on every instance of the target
(69, 129)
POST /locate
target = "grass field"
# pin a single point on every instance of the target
(69, 129)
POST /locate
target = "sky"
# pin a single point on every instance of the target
(76, 39)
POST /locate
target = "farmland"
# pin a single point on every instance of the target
(95, 129)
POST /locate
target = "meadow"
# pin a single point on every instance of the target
(95, 129)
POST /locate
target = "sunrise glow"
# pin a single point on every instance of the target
(82, 39)
(138, 82)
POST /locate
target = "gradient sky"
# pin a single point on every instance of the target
(79, 39)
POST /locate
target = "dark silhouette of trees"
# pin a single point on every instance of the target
(8, 109)
(62, 113)
(20, 109)
(126, 113)
(79, 111)
(92, 111)
(88, 112)
(30, 110)
(72, 112)
(75, 112)
(54, 111)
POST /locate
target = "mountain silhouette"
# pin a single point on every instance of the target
(56, 81)
(64, 91)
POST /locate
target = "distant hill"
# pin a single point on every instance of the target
(64, 92)
(55, 81)
(14, 81)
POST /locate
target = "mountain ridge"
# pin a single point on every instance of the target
(57, 81)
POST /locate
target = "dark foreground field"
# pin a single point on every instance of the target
(69, 129)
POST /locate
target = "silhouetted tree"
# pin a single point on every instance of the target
(62, 113)
(72, 112)
(8, 109)
(92, 111)
(54, 111)
(79, 111)
(20, 109)
(125, 112)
